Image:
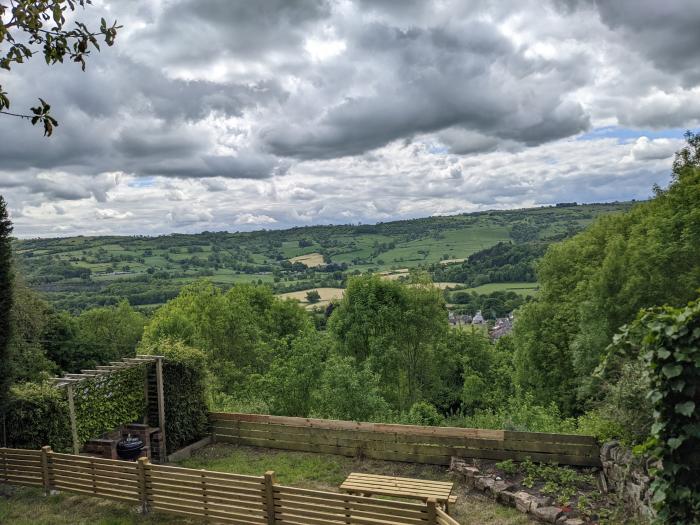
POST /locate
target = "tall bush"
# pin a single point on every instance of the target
(184, 389)
(37, 415)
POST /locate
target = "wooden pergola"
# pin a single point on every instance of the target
(71, 381)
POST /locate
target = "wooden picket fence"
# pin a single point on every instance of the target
(410, 443)
(212, 496)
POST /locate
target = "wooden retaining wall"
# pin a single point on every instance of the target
(415, 444)
(217, 497)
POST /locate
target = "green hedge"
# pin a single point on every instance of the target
(37, 415)
(106, 402)
(184, 388)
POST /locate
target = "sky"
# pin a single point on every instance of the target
(241, 115)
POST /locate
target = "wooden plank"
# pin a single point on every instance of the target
(543, 437)
(161, 409)
(350, 438)
(367, 505)
(354, 425)
(73, 423)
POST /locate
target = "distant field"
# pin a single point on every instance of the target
(393, 275)
(520, 288)
(76, 273)
(327, 295)
(312, 260)
(447, 286)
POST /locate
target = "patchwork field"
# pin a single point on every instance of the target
(312, 260)
(76, 273)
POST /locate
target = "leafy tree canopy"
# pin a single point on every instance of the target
(30, 27)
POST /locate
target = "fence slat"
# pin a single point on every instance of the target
(218, 496)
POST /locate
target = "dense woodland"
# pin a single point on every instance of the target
(386, 352)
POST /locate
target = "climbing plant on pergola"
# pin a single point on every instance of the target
(112, 395)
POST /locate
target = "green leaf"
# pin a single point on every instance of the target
(657, 427)
(686, 408)
(663, 353)
(674, 443)
(672, 370)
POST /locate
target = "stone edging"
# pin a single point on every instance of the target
(538, 507)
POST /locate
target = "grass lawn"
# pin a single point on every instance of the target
(28, 506)
(326, 472)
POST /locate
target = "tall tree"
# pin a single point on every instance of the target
(5, 299)
(25, 24)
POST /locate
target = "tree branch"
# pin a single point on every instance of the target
(16, 115)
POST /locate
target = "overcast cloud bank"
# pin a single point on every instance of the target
(220, 115)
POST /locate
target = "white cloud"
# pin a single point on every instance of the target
(301, 112)
(249, 218)
(107, 213)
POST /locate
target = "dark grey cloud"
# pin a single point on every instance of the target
(202, 31)
(666, 32)
(468, 76)
(429, 98)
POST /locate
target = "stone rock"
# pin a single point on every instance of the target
(498, 486)
(547, 514)
(484, 483)
(506, 497)
(523, 501)
(574, 521)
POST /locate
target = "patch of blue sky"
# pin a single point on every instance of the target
(438, 149)
(629, 134)
(142, 182)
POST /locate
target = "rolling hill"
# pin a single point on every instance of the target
(81, 272)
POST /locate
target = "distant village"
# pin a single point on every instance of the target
(501, 326)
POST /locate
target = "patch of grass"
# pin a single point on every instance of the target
(327, 472)
(29, 506)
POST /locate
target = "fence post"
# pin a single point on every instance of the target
(142, 468)
(432, 511)
(46, 468)
(161, 409)
(270, 496)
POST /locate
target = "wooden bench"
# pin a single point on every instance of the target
(421, 489)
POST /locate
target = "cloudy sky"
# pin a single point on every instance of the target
(239, 115)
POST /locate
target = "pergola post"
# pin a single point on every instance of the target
(73, 421)
(161, 407)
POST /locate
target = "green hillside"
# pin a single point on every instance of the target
(81, 272)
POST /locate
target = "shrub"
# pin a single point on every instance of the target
(348, 392)
(425, 414)
(37, 415)
(184, 388)
(625, 412)
(521, 413)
